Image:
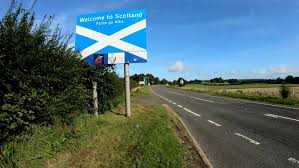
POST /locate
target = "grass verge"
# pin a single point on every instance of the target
(111, 140)
(142, 91)
(144, 140)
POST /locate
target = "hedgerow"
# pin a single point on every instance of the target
(42, 80)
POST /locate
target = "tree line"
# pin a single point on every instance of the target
(219, 80)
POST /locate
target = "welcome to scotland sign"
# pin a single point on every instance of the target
(112, 37)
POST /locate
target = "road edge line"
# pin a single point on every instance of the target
(197, 146)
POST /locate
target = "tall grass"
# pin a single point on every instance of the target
(110, 140)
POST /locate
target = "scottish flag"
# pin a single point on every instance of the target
(112, 37)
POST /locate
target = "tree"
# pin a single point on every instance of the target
(233, 81)
(217, 80)
(289, 79)
(42, 80)
(284, 91)
(296, 80)
(164, 81)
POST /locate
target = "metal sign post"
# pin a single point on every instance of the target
(127, 89)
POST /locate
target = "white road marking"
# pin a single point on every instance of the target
(191, 112)
(173, 103)
(180, 106)
(278, 116)
(175, 93)
(218, 125)
(250, 140)
(293, 160)
(201, 99)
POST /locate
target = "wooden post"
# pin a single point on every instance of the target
(95, 98)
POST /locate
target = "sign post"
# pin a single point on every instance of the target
(127, 89)
(95, 98)
(117, 37)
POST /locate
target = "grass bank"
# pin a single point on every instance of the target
(141, 91)
(111, 140)
(259, 96)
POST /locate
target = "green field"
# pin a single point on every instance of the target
(227, 86)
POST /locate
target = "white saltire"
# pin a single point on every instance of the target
(113, 40)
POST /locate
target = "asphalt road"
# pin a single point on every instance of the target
(235, 133)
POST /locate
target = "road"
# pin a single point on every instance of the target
(235, 133)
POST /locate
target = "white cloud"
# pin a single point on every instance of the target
(179, 66)
(282, 69)
(274, 71)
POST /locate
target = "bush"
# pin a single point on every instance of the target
(284, 91)
(42, 80)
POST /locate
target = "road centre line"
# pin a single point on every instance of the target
(173, 102)
(180, 106)
(250, 140)
(293, 160)
(218, 125)
(191, 112)
(192, 97)
(278, 116)
(175, 93)
(184, 108)
(201, 99)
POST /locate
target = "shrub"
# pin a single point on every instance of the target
(284, 91)
(42, 80)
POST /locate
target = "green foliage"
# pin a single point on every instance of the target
(152, 79)
(284, 91)
(133, 84)
(42, 80)
(164, 81)
(217, 80)
(142, 91)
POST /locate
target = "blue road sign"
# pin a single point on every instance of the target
(112, 37)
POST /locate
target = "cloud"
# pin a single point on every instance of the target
(282, 69)
(274, 71)
(178, 66)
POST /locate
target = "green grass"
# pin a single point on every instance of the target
(111, 140)
(142, 91)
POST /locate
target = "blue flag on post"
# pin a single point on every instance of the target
(112, 37)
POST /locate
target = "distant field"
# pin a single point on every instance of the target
(244, 86)
(252, 89)
(258, 92)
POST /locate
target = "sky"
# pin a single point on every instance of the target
(200, 39)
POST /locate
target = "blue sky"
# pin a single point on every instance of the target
(202, 39)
